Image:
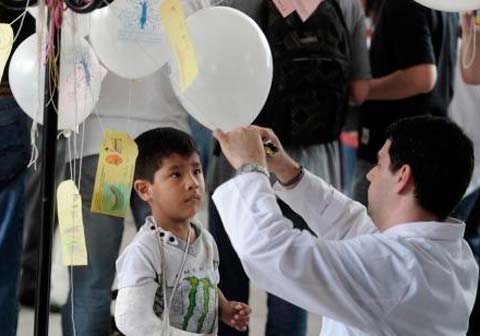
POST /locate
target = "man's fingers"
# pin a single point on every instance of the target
(264, 132)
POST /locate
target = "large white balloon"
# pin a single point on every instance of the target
(129, 38)
(80, 81)
(235, 69)
(451, 5)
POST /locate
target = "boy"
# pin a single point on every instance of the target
(171, 249)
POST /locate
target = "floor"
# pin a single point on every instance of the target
(60, 288)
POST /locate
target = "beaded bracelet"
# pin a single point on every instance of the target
(294, 180)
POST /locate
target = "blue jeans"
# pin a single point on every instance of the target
(284, 318)
(14, 155)
(92, 284)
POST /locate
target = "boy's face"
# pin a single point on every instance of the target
(177, 190)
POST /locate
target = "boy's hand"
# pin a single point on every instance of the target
(235, 314)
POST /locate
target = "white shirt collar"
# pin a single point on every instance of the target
(451, 229)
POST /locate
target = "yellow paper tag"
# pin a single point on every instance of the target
(173, 18)
(70, 221)
(115, 169)
(6, 42)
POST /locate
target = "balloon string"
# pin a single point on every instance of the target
(40, 28)
(129, 106)
(72, 177)
(21, 22)
(56, 9)
(81, 158)
(34, 152)
(99, 120)
(41, 35)
(54, 76)
(18, 17)
(87, 86)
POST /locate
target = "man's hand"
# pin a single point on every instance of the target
(241, 146)
(235, 314)
(281, 164)
(468, 19)
(470, 49)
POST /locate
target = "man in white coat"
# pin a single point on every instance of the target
(402, 269)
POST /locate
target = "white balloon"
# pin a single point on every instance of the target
(80, 81)
(72, 22)
(451, 5)
(235, 69)
(129, 38)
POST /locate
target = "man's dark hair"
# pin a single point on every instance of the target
(440, 157)
(157, 144)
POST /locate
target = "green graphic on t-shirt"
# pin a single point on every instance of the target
(192, 297)
(206, 300)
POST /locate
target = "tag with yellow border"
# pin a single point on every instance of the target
(114, 178)
(6, 42)
(70, 221)
(173, 18)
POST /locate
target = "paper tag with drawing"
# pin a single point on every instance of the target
(114, 178)
(6, 42)
(173, 17)
(70, 221)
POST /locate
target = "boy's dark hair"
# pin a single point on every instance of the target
(440, 157)
(157, 144)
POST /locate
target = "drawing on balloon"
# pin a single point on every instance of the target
(141, 21)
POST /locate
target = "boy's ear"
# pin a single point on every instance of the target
(142, 187)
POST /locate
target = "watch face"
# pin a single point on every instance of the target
(253, 167)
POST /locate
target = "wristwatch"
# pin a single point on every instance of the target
(253, 167)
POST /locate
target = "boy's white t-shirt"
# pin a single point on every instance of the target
(194, 306)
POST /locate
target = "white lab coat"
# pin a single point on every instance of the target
(413, 279)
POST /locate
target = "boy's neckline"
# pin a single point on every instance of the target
(182, 236)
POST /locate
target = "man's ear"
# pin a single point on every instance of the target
(142, 187)
(404, 182)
